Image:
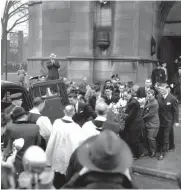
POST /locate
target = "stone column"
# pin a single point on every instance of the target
(81, 28)
(124, 42)
(35, 37)
(35, 30)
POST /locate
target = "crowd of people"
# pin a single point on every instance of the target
(104, 128)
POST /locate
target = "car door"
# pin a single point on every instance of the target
(55, 98)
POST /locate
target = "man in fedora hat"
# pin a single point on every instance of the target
(20, 128)
(106, 160)
(16, 101)
(53, 67)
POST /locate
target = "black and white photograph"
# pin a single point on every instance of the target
(90, 94)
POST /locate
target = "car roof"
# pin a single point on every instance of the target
(49, 82)
(8, 83)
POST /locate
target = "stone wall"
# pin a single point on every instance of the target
(125, 28)
(56, 28)
(66, 29)
(35, 31)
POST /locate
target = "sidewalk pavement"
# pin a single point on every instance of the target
(169, 167)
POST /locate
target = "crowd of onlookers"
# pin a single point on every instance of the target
(104, 128)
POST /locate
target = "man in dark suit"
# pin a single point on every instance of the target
(169, 116)
(134, 124)
(158, 74)
(109, 97)
(53, 67)
(83, 112)
(151, 120)
(142, 91)
(20, 128)
(96, 91)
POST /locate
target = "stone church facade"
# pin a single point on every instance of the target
(101, 38)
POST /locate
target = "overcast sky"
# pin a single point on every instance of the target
(22, 26)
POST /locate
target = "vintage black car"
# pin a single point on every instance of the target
(54, 92)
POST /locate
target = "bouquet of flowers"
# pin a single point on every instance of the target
(117, 112)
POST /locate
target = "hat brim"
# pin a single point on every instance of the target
(126, 159)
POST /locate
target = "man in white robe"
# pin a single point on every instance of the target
(66, 136)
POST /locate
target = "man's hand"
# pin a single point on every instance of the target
(176, 124)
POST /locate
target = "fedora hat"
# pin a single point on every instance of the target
(108, 153)
(52, 55)
(18, 112)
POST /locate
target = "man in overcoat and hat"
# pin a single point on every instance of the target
(16, 101)
(104, 162)
(21, 128)
(53, 67)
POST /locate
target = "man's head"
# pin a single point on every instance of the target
(164, 64)
(121, 88)
(85, 79)
(42, 78)
(69, 111)
(150, 94)
(148, 83)
(108, 82)
(17, 99)
(73, 98)
(101, 109)
(96, 90)
(108, 91)
(158, 65)
(39, 103)
(52, 56)
(163, 89)
(128, 94)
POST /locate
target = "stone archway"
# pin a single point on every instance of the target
(170, 43)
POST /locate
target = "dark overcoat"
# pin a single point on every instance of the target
(53, 70)
(134, 120)
(83, 114)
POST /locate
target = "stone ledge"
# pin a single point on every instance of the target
(154, 172)
(140, 59)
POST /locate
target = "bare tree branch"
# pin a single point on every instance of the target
(17, 22)
(18, 9)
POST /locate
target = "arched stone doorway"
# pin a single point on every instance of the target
(170, 44)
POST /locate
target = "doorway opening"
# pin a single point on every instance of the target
(169, 50)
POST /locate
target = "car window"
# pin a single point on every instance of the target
(6, 99)
(46, 91)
